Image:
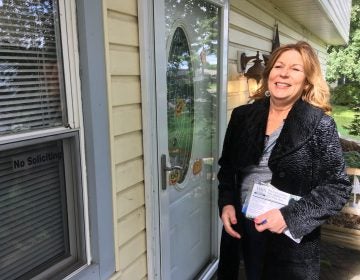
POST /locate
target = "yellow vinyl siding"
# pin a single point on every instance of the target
(125, 90)
(127, 7)
(124, 61)
(136, 270)
(129, 173)
(132, 250)
(123, 67)
(128, 118)
(123, 29)
(127, 147)
(129, 200)
(130, 225)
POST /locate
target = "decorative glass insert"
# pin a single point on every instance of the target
(180, 105)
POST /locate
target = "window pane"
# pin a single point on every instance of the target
(33, 224)
(30, 70)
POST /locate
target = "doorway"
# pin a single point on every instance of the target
(188, 61)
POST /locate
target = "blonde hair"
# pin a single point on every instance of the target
(316, 91)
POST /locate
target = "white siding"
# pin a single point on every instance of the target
(339, 11)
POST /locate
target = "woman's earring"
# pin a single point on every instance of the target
(267, 93)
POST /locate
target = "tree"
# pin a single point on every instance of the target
(344, 61)
(344, 65)
(354, 127)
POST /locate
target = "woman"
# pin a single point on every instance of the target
(286, 138)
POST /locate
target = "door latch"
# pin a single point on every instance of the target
(164, 169)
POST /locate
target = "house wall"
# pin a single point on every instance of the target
(251, 29)
(123, 75)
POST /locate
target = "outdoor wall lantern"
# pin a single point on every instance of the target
(253, 74)
(243, 84)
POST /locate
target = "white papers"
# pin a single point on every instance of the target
(264, 197)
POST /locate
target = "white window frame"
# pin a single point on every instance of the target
(68, 26)
(70, 57)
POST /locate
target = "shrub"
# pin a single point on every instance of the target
(352, 159)
(354, 127)
(345, 95)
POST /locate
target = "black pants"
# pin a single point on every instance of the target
(250, 248)
(254, 249)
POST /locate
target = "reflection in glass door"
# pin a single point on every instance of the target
(180, 98)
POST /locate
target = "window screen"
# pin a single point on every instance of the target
(30, 86)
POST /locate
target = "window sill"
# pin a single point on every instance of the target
(87, 272)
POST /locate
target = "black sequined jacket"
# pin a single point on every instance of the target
(307, 161)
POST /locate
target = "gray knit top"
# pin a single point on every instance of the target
(261, 172)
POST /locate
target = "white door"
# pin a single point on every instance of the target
(187, 53)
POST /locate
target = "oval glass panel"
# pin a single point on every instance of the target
(180, 105)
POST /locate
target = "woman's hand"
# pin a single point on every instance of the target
(271, 220)
(228, 218)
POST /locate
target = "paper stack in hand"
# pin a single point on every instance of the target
(264, 197)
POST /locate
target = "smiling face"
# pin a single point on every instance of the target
(287, 78)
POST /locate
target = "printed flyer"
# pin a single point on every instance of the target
(264, 197)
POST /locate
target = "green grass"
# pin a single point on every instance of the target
(343, 117)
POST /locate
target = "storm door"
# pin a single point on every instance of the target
(187, 52)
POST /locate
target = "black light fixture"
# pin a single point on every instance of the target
(255, 71)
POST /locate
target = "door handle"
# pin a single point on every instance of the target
(164, 169)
